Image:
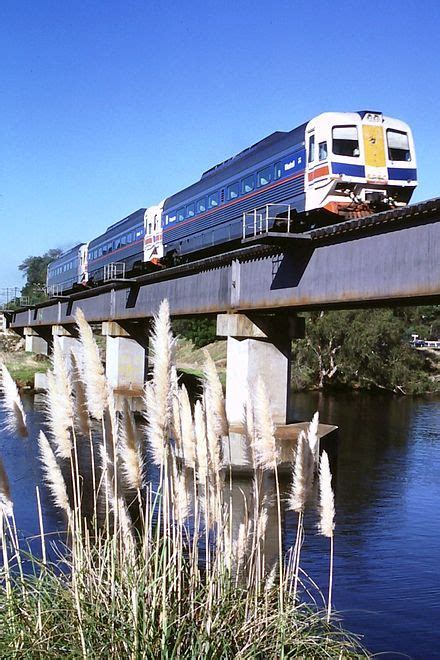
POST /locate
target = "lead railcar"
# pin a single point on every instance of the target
(335, 166)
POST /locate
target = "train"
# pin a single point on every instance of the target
(336, 166)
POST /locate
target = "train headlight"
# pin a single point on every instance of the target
(373, 117)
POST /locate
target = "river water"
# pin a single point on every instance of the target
(387, 541)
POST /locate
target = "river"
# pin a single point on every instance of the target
(387, 541)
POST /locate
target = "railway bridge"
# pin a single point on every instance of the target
(257, 291)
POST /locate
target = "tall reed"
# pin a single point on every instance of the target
(160, 565)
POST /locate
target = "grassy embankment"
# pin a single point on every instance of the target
(162, 568)
(22, 366)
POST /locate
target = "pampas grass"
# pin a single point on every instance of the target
(187, 425)
(53, 475)
(265, 446)
(92, 369)
(130, 451)
(158, 394)
(6, 506)
(327, 517)
(149, 576)
(59, 414)
(12, 406)
(81, 417)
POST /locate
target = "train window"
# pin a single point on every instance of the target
(190, 210)
(180, 214)
(248, 184)
(117, 243)
(110, 247)
(322, 149)
(213, 199)
(398, 145)
(139, 232)
(201, 205)
(278, 170)
(264, 176)
(99, 253)
(311, 148)
(123, 240)
(345, 141)
(234, 190)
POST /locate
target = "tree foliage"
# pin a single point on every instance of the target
(366, 349)
(201, 331)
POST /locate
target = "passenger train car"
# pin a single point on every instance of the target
(338, 163)
(68, 270)
(119, 251)
(336, 166)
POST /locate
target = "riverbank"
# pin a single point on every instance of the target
(423, 364)
(21, 365)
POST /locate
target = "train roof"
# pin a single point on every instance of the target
(269, 146)
(120, 225)
(65, 254)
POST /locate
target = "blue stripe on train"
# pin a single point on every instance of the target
(402, 174)
(349, 169)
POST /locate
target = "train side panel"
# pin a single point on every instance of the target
(65, 272)
(118, 250)
(210, 212)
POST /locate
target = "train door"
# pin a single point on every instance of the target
(317, 167)
(375, 155)
(153, 236)
(82, 265)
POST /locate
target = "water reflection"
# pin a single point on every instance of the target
(387, 581)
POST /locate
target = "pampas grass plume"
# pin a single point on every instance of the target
(80, 402)
(188, 433)
(201, 442)
(12, 405)
(130, 452)
(53, 475)
(303, 472)
(95, 382)
(59, 411)
(265, 448)
(313, 438)
(326, 498)
(158, 392)
(214, 389)
(5, 494)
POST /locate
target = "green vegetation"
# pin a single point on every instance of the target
(367, 349)
(161, 568)
(24, 366)
(200, 331)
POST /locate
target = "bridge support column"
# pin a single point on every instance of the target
(67, 339)
(125, 355)
(38, 340)
(258, 346)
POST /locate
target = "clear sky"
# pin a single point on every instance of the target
(107, 106)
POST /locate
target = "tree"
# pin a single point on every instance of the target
(35, 269)
(365, 349)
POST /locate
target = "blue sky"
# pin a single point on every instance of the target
(106, 107)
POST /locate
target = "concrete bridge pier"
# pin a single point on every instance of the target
(126, 355)
(38, 340)
(66, 336)
(258, 345)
